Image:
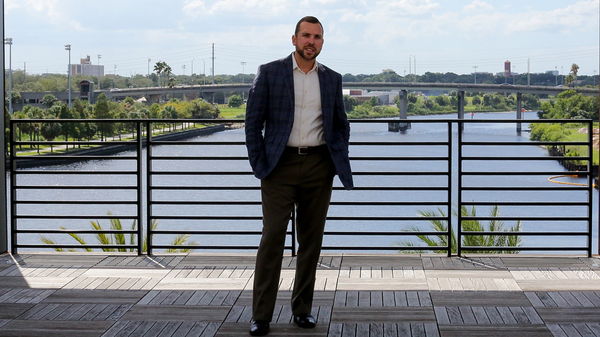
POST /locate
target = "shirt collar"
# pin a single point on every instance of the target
(295, 65)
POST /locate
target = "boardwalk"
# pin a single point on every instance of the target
(357, 295)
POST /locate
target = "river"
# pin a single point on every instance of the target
(420, 132)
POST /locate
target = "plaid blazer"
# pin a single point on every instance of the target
(271, 107)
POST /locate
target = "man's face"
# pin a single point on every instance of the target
(309, 40)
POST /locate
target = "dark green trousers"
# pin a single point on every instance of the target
(305, 181)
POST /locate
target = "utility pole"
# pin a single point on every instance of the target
(99, 86)
(149, 72)
(528, 72)
(68, 47)
(212, 70)
(475, 73)
(243, 64)
(415, 60)
(409, 65)
(183, 67)
(204, 71)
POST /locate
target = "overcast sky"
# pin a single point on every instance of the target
(361, 36)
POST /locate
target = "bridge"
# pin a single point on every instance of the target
(154, 94)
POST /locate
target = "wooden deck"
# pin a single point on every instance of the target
(356, 295)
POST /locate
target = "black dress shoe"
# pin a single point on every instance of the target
(259, 328)
(305, 321)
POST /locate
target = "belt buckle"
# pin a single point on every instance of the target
(303, 151)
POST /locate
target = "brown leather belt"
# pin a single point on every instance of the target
(304, 150)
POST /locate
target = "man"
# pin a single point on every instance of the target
(299, 104)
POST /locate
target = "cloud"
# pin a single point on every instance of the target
(195, 8)
(478, 6)
(51, 11)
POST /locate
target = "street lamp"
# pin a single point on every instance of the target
(243, 64)
(594, 78)
(99, 86)
(555, 75)
(475, 73)
(9, 42)
(183, 67)
(204, 71)
(68, 47)
(148, 73)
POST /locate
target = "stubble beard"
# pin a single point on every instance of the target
(301, 53)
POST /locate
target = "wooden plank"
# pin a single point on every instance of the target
(480, 315)
(54, 328)
(382, 314)
(494, 330)
(177, 313)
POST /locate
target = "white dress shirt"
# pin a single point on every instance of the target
(307, 129)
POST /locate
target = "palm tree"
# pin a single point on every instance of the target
(574, 71)
(121, 239)
(469, 226)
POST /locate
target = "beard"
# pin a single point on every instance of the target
(304, 56)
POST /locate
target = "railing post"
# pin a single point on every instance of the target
(519, 110)
(140, 193)
(450, 174)
(459, 198)
(590, 179)
(149, 187)
(3, 205)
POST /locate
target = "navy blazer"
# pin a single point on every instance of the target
(271, 107)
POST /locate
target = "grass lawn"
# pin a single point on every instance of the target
(231, 113)
(582, 137)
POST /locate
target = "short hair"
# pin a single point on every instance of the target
(309, 19)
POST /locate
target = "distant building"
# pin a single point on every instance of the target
(507, 72)
(87, 68)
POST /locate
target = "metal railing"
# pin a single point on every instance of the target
(209, 192)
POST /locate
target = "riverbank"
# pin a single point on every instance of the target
(107, 149)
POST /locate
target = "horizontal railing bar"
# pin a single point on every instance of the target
(95, 142)
(519, 233)
(521, 188)
(538, 173)
(242, 188)
(399, 158)
(55, 157)
(192, 202)
(206, 217)
(74, 202)
(524, 218)
(333, 203)
(208, 247)
(525, 203)
(74, 231)
(521, 143)
(400, 233)
(116, 247)
(409, 143)
(57, 217)
(185, 173)
(177, 232)
(386, 218)
(370, 173)
(165, 142)
(76, 172)
(466, 158)
(76, 187)
(154, 158)
(389, 203)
